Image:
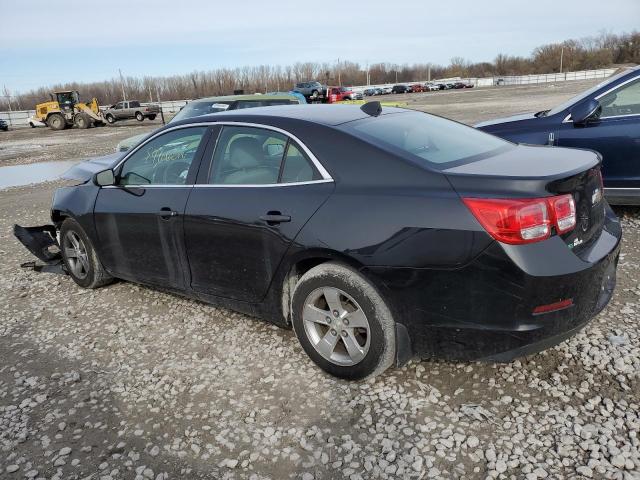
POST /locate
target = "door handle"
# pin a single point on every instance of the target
(167, 213)
(273, 218)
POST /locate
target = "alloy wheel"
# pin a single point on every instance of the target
(336, 326)
(76, 253)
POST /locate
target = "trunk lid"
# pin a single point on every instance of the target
(538, 171)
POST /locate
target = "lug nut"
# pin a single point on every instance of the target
(345, 321)
(335, 313)
(328, 319)
(344, 333)
(333, 332)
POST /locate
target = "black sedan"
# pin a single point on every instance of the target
(378, 234)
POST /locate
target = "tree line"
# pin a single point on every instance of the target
(583, 54)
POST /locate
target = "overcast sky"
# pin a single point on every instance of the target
(43, 42)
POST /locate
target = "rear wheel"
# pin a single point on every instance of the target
(80, 258)
(56, 122)
(139, 116)
(152, 117)
(342, 322)
(110, 119)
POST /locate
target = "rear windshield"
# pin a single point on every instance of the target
(198, 108)
(439, 142)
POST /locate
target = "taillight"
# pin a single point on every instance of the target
(564, 211)
(525, 220)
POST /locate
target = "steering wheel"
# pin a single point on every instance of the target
(175, 173)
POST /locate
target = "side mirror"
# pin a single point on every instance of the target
(104, 178)
(585, 111)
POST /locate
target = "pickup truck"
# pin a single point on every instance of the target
(312, 91)
(130, 109)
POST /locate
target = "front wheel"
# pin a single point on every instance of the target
(139, 116)
(110, 119)
(342, 322)
(56, 122)
(80, 258)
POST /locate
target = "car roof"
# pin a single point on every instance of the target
(321, 114)
(233, 98)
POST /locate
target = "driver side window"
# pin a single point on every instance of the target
(623, 101)
(165, 160)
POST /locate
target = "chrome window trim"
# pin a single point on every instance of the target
(323, 172)
(617, 86)
(222, 185)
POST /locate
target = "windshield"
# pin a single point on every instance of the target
(439, 142)
(585, 94)
(198, 108)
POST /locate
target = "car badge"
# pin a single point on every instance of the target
(596, 196)
(575, 243)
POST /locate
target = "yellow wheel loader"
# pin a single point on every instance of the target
(66, 110)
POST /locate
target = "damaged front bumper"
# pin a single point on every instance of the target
(42, 242)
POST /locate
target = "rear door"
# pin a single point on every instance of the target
(260, 188)
(139, 220)
(616, 135)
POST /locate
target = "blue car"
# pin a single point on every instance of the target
(605, 118)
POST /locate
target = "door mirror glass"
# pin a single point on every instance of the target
(105, 178)
(585, 111)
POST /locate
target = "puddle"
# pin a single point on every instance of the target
(19, 175)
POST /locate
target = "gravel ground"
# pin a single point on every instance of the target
(126, 382)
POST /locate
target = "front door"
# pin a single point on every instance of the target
(615, 134)
(139, 220)
(247, 208)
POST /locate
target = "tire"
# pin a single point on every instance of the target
(98, 124)
(139, 116)
(110, 119)
(56, 122)
(373, 340)
(315, 94)
(152, 117)
(82, 121)
(80, 259)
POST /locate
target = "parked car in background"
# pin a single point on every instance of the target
(450, 242)
(355, 93)
(431, 87)
(386, 90)
(605, 118)
(130, 109)
(311, 90)
(400, 89)
(4, 125)
(34, 122)
(416, 88)
(205, 106)
(369, 92)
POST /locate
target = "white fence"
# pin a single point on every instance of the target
(21, 118)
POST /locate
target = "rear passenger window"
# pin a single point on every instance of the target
(297, 167)
(247, 156)
(258, 156)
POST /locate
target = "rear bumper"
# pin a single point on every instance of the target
(484, 311)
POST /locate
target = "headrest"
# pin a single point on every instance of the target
(245, 152)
